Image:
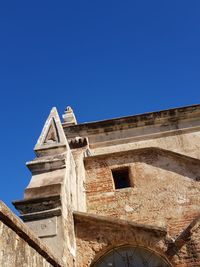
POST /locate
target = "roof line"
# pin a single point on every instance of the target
(158, 114)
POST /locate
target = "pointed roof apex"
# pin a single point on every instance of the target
(69, 117)
(52, 137)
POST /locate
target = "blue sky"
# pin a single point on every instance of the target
(104, 58)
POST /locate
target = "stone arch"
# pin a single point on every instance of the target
(131, 256)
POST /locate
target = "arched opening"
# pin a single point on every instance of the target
(130, 256)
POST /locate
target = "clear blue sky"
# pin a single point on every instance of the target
(104, 58)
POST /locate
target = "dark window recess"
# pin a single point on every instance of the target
(121, 178)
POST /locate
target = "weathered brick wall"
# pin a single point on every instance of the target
(185, 251)
(165, 191)
(94, 241)
(96, 236)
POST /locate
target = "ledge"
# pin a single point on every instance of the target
(9, 219)
(83, 217)
(41, 215)
(46, 164)
(151, 118)
(37, 204)
(145, 150)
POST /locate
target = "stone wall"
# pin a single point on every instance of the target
(18, 245)
(96, 235)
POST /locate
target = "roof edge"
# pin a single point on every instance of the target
(160, 114)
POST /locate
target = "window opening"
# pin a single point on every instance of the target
(131, 256)
(121, 178)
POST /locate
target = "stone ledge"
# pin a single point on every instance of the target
(146, 150)
(41, 215)
(26, 206)
(83, 217)
(46, 164)
(150, 118)
(8, 218)
(42, 191)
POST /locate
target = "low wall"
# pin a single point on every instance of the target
(19, 246)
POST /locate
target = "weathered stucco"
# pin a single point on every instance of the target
(20, 247)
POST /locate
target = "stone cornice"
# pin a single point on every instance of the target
(146, 119)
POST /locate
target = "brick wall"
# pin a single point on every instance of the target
(97, 235)
(165, 192)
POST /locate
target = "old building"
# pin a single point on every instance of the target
(122, 192)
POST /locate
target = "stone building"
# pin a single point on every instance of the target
(122, 192)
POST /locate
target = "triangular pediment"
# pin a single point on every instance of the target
(52, 134)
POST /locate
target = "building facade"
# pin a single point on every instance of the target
(122, 192)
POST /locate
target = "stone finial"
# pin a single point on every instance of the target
(69, 117)
(68, 109)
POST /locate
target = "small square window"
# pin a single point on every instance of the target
(121, 178)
